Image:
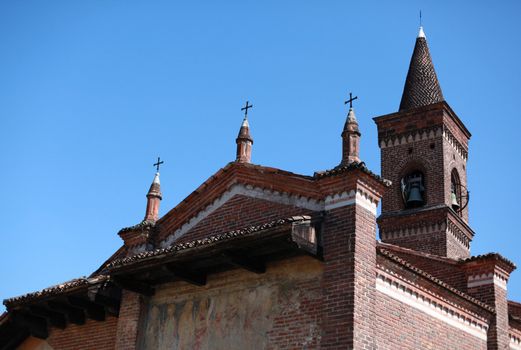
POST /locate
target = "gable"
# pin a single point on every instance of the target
(238, 212)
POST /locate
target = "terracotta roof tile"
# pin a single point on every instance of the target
(421, 85)
(428, 276)
(68, 286)
(496, 256)
(340, 169)
(174, 248)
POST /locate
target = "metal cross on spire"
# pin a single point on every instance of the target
(159, 162)
(351, 99)
(245, 109)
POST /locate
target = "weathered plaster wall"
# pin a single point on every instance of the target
(32, 343)
(239, 310)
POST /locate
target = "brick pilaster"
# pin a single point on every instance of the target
(487, 280)
(128, 322)
(349, 278)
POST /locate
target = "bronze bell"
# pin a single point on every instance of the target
(454, 201)
(415, 197)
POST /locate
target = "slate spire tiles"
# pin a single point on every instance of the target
(421, 85)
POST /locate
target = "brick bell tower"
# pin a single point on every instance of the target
(424, 149)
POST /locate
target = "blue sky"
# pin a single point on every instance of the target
(92, 92)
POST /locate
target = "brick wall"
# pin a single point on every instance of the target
(239, 212)
(492, 290)
(128, 326)
(416, 313)
(237, 309)
(93, 335)
(431, 140)
(447, 270)
(402, 327)
(348, 282)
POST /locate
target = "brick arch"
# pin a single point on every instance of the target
(456, 179)
(411, 164)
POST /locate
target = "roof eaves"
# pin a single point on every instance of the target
(428, 276)
(495, 256)
(175, 248)
(341, 169)
(66, 287)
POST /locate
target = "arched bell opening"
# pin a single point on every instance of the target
(459, 195)
(412, 186)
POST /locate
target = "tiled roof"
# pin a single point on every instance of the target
(495, 256)
(421, 85)
(349, 167)
(68, 286)
(142, 225)
(428, 276)
(173, 249)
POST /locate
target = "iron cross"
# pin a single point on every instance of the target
(351, 99)
(245, 109)
(159, 162)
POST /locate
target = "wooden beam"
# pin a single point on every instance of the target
(14, 338)
(193, 277)
(94, 311)
(134, 286)
(73, 314)
(110, 304)
(56, 319)
(253, 265)
(37, 325)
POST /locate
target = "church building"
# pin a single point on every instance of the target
(262, 258)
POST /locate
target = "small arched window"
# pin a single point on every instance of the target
(413, 189)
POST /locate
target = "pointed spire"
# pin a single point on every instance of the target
(350, 140)
(421, 85)
(244, 140)
(154, 197)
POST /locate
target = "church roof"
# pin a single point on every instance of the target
(205, 242)
(381, 249)
(421, 85)
(65, 287)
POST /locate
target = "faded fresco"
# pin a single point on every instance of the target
(238, 310)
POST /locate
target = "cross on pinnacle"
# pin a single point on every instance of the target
(351, 99)
(159, 162)
(245, 109)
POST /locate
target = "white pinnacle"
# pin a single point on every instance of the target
(421, 33)
(156, 179)
(245, 123)
(351, 115)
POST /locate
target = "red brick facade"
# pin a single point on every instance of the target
(433, 141)
(261, 258)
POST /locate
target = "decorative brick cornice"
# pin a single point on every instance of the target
(363, 196)
(460, 235)
(453, 141)
(428, 276)
(515, 341)
(423, 228)
(415, 229)
(487, 278)
(410, 136)
(507, 265)
(435, 305)
(249, 191)
(358, 196)
(429, 133)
